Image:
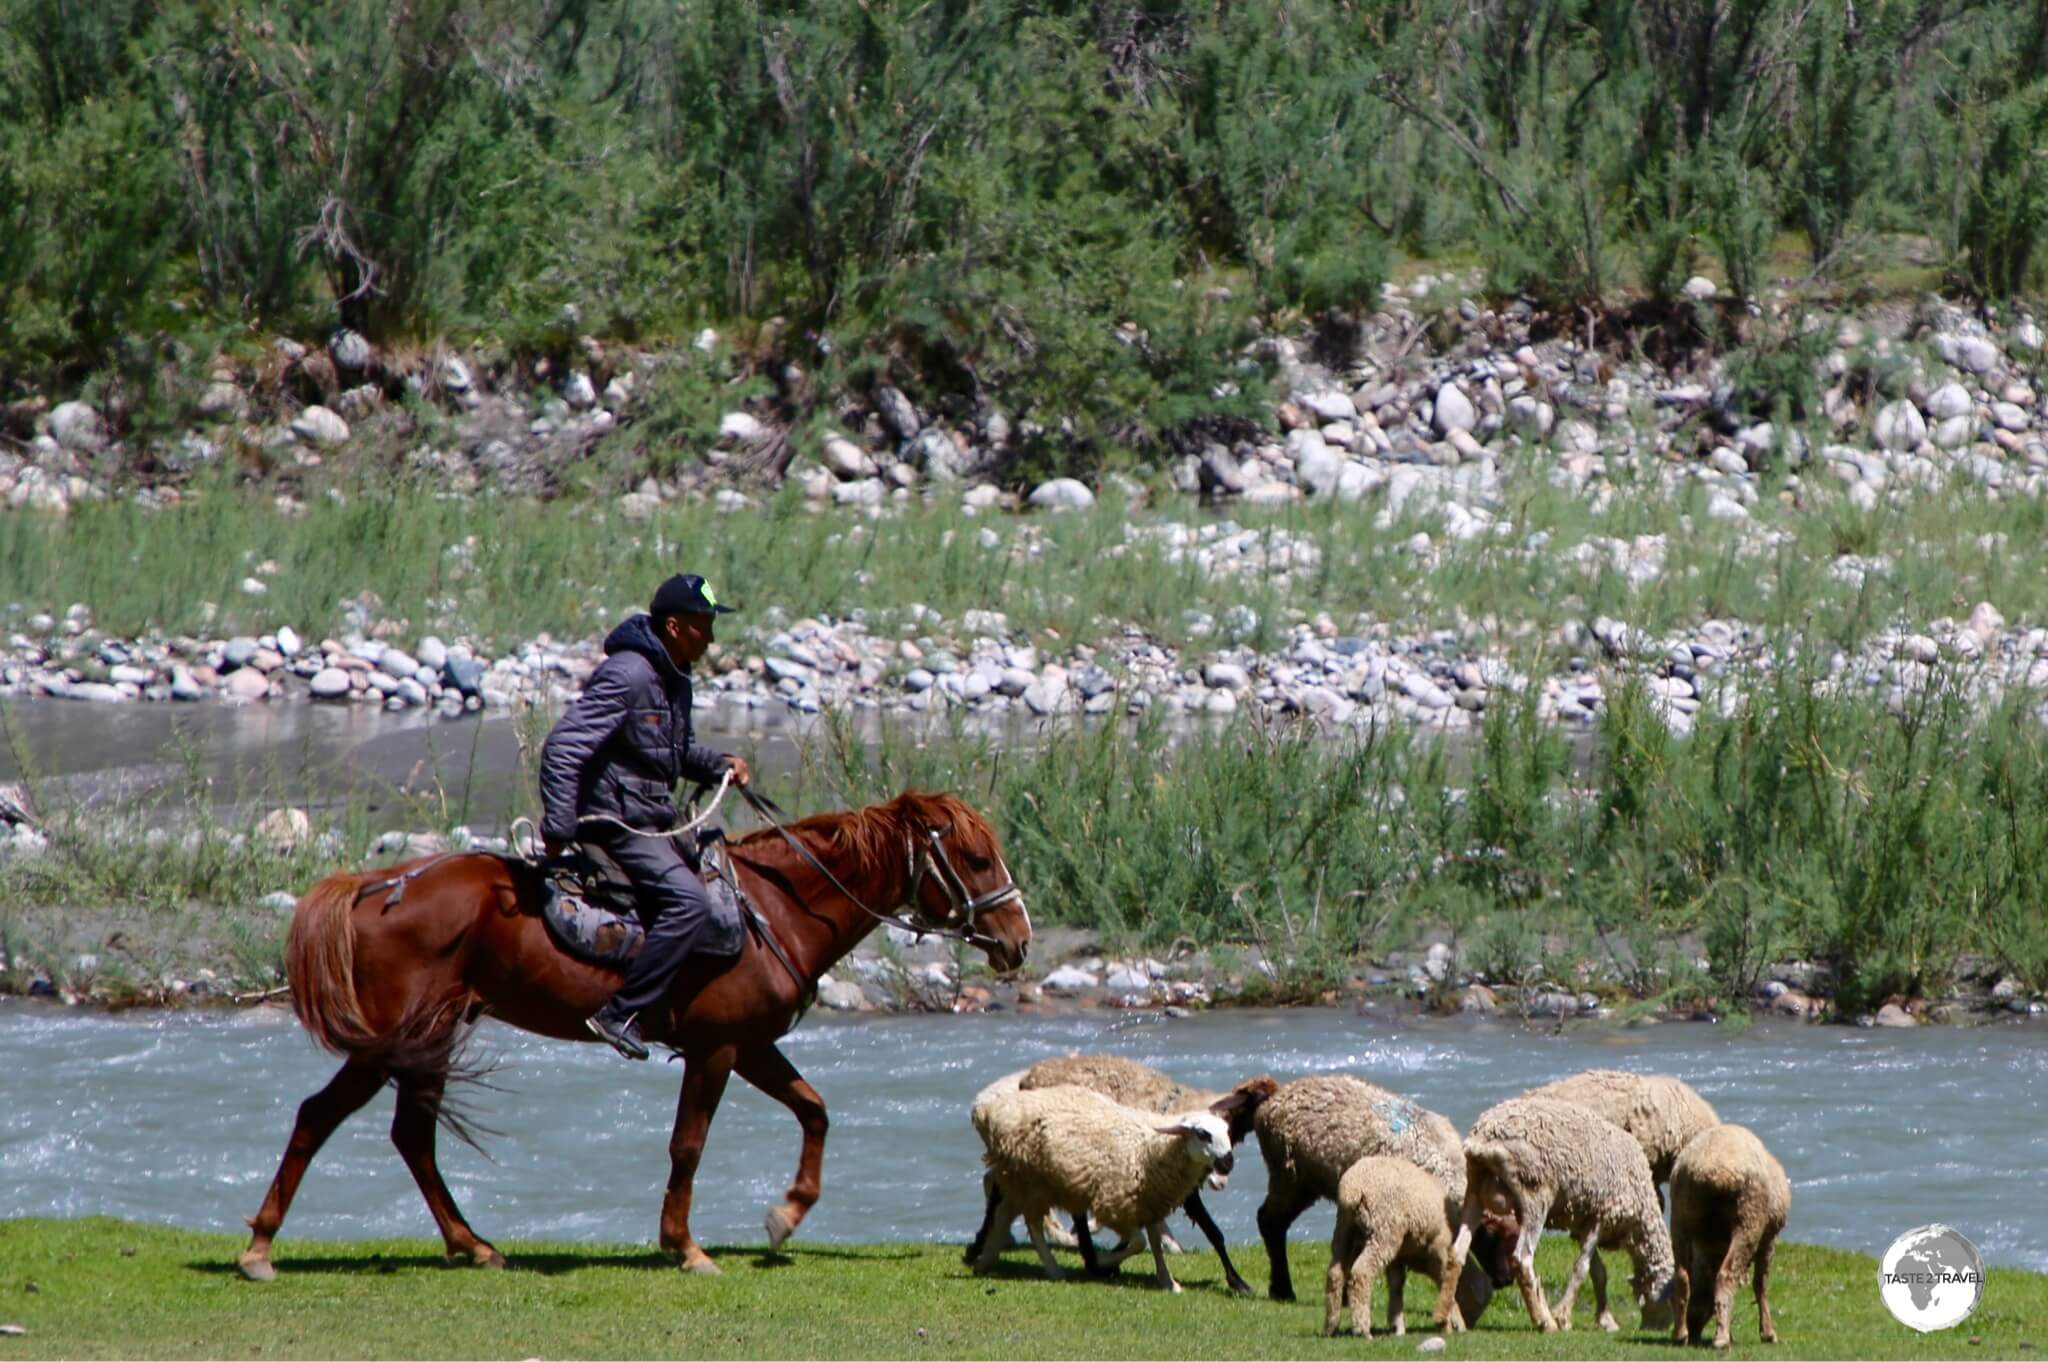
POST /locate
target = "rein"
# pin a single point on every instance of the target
(969, 907)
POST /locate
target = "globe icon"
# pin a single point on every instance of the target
(1931, 1278)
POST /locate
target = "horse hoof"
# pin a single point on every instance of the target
(256, 1268)
(483, 1255)
(780, 1226)
(702, 1266)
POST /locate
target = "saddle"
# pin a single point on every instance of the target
(594, 914)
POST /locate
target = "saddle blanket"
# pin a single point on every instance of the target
(596, 919)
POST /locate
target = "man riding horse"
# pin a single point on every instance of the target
(607, 774)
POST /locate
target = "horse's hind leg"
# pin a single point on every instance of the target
(770, 1070)
(344, 1095)
(412, 1130)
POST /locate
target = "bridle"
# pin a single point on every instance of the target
(966, 907)
(929, 859)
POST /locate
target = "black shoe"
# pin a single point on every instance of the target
(622, 1034)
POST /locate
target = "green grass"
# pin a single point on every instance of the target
(108, 1288)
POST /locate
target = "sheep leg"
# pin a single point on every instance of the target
(1125, 1247)
(1447, 1314)
(1743, 1247)
(988, 1220)
(1760, 1281)
(1036, 1226)
(1589, 1246)
(1084, 1240)
(1206, 1223)
(1447, 1271)
(1001, 1212)
(1155, 1233)
(1368, 1265)
(1525, 1274)
(1397, 1287)
(1344, 1246)
(1283, 1206)
(1605, 1318)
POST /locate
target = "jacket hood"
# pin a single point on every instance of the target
(637, 635)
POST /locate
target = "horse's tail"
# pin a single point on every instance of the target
(429, 1039)
(320, 962)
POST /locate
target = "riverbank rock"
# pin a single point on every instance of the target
(330, 683)
(843, 995)
(77, 427)
(1069, 979)
(318, 426)
(1062, 494)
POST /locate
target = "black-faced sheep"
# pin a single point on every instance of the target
(1076, 1150)
(1313, 1129)
(1390, 1218)
(1729, 1199)
(1531, 1163)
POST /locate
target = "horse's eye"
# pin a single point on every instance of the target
(978, 862)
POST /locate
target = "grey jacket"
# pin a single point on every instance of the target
(625, 742)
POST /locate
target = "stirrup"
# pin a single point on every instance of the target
(621, 1037)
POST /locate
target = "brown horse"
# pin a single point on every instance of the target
(389, 968)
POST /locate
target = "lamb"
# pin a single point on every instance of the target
(1146, 1089)
(1077, 1150)
(1314, 1129)
(1662, 1113)
(1729, 1199)
(1390, 1217)
(1531, 1162)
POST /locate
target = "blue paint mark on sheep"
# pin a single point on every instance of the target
(1397, 1112)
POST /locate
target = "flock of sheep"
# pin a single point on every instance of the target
(1108, 1139)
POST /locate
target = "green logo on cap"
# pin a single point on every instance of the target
(709, 597)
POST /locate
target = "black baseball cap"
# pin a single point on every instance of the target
(686, 594)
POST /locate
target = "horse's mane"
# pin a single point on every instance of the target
(867, 835)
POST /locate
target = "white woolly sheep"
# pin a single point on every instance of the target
(1390, 1218)
(1531, 1163)
(1663, 1113)
(1075, 1150)
(1729, 1199)
(1313, 1129)
(1146, 1089)
(1121, 1080)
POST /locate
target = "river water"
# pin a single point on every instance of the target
(180, 1118)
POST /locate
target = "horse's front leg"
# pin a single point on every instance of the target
(770, 1070)
(704, 1076)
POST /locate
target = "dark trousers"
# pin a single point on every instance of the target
(681, 918)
